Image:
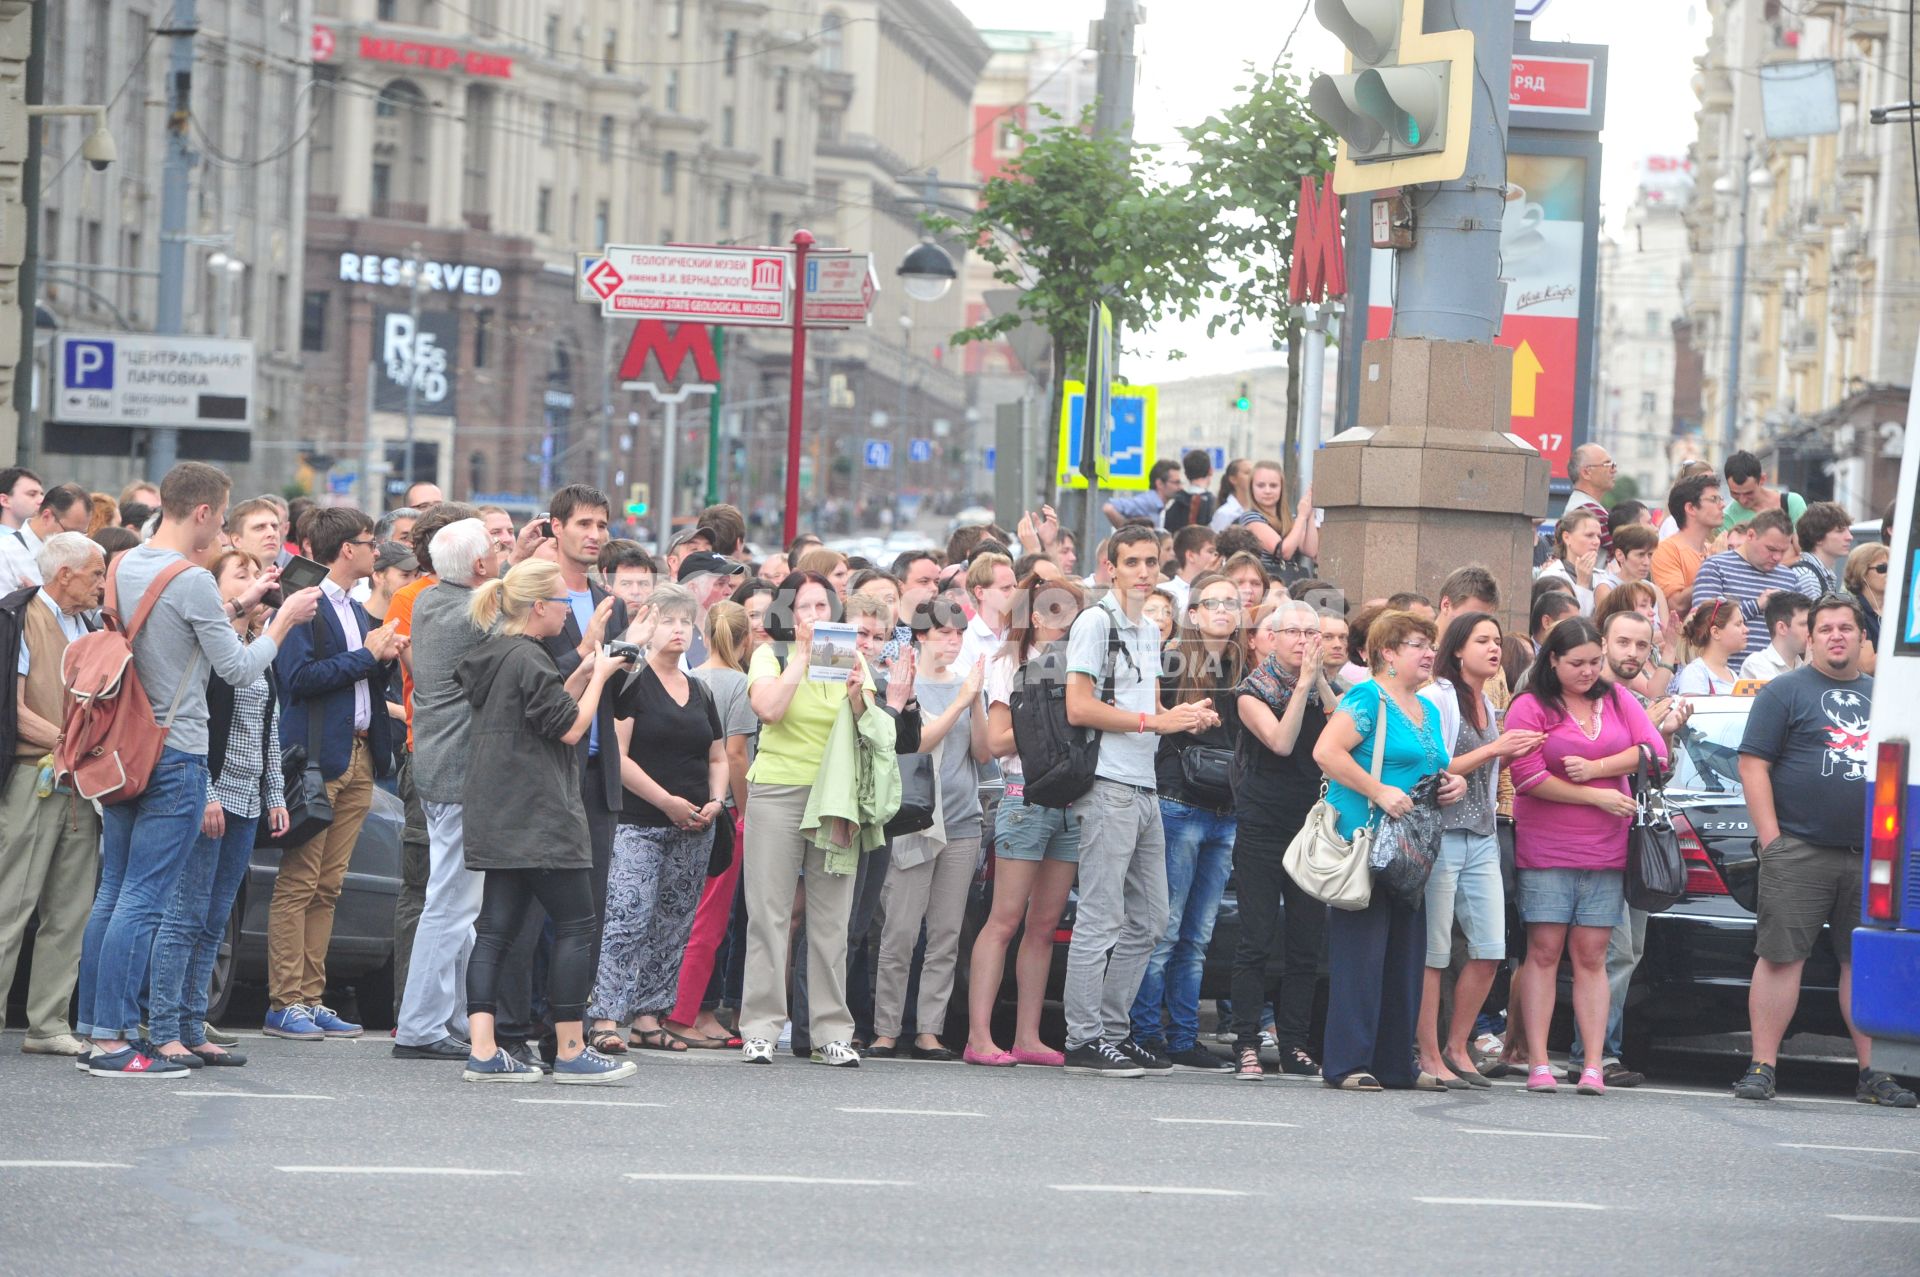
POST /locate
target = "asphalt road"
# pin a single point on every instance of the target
(333, 1156)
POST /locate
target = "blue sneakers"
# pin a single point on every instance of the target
(332, 1025)
(590, 1068)
(295, 1023)
(501, 1068)
(130, 1062)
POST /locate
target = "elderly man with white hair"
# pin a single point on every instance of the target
(49, 841)
(432, 1019)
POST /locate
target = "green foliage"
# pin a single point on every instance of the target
(1625, 488)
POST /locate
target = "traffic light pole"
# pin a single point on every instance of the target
(163, 448)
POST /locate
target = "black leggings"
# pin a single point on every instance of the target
(1274, 914)
(567, 896)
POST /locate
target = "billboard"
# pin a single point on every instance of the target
(427, 354)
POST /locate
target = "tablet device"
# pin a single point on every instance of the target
(300, 573)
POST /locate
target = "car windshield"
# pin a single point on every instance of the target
(1706, 754)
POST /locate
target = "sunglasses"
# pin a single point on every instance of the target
(1878, 569)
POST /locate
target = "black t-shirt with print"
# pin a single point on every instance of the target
(1813, 729)
(669, 741)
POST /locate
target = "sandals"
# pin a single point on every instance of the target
(1356, 1082)
(698, 1043)
(607, 1042)
(656, 1040)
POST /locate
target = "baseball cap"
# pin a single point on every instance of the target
(707, 563)
(395, 555)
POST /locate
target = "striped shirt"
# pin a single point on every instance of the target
(1728, 575)
(237, 788)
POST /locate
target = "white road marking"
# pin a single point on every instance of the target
(30, 1164)
(1222, 1121)
(611, 1104)
(248, 1095)
(1854, 1148)
(688, 1177)
(390, 1170)
(1876, 1219)
(1545, 1135)
(918, 1112)
(1507, 1201)
(1168, 1190)
(1726, 1095)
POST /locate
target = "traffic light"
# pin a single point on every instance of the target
(1243, 402)
(1404, 108)
(637, 500)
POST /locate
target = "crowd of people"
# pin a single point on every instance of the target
(691, 831)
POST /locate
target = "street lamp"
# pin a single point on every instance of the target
(926, 272)
(410, 275)
(227, 271)
(1751, 179)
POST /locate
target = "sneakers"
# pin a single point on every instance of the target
(1267, 1041)
(1199, 1059)
(503, 1067)
(128, 1062)
(1101, 1059)
(1592, 1082)
(332, 1025)
(1540, 1080)
(589, 1068)
(1249, 1068)
(1296, 1061)
(1757, 1084)
(1144, 1055)
(1615, 1073)
(1877, 1087)
(756, 1051)
(58, 1044)
(839, 1055)
(294, 1023)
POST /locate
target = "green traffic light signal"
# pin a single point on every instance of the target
(637, 509)
(1243, 403)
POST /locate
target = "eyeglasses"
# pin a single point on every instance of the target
(368, 541)
(1417, 645)
(1217, 605)
(1295, 632)
(561, 599)
(1878, 569)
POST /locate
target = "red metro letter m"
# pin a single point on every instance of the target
(667, 348)
(1319, 256)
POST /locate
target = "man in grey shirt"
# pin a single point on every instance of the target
(432, 1011)
(145, 841)
(1123, 850)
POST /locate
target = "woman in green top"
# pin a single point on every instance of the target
(796, 715)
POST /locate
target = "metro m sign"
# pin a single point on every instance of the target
(1319, 256)
(658, 349)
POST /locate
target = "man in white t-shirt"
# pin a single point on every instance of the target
(1786, 617)
(1195, 550)
(990, 586)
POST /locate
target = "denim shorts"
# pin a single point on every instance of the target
(1024, 832)
(1580, 897)
(1465, 884)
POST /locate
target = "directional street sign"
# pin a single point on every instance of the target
(734, 286)
(1135, 423)
(840, 288)
(128, 379)
(987, 457)
(1528, 10)
(879, 454)
(1219, 456)
(919, 449)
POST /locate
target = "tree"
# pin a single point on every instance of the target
(1075, 219)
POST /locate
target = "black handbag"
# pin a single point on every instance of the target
(720, 856)
(918, 796)
(309, 808)
(1207, 773)
(1656, 874)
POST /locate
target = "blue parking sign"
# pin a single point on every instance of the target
(987, 456)
(879, 454)
(1219, 458)
(89, 365)
(919, 449)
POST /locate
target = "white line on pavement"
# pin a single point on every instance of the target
(30, 1164)
(1222, 1121)
(1545, 1135)
(918, 1112)
(670, 1176)
(1507, 1201)
(1168, 1190)
(611, 1104)
(388, 1170)
(247, 1095)
(1726, 1095)
(1854, 1148)
(1876, 1219)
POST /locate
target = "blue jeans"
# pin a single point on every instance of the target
(143, 846)
(1199, 858)
(189, 935)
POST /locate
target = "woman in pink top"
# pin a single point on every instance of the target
(1571, 810)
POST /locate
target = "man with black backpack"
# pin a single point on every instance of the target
(1193, 506)
(1113, 688)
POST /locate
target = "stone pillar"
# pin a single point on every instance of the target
(16, 311)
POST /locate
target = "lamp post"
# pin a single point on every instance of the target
(1751, 179)
(227, 271)
(410, 275)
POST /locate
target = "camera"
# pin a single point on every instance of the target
(98, 150)
(623, 651)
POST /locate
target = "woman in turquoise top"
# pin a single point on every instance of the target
(1375, 955)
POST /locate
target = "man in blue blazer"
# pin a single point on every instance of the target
(332, 672)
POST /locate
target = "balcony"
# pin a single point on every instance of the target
(1865, 24)
(398, 211)
(1846, 76)
(1857, 161)
(1803, 346)
(323, 203)
(478, 221)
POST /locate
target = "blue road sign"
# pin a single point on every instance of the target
(1133, 417)
(89, 365)
(879, 454)
(1219, 456)
(919, 449)
(987, 455)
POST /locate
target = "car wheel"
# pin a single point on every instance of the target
(220, 989)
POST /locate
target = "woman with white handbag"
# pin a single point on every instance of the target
(1375, 955)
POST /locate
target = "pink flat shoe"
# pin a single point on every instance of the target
(1540, 1080)
(997, 1060)
(1051, 1059)
(1592, 1082)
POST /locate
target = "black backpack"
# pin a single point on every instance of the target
(1058, 759)
(1189, 508)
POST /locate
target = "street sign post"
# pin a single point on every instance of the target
(740, 286)
(1131, 438)
(137, 379)
(840, 288)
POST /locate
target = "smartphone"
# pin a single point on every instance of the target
(618, 648)
(300, 573)
(546, 526)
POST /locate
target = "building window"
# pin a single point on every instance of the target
(546, 123)
(400, 148)
(673, 92)
(723, 213)
(606, 137)
(1653, 323)
(600, 219)
(482, 337)
(774, 228)
(543, 211)
(474, 201)
(553, 34)
(830, 124)
(382, 183)
(833, 41)
(726, 127)
(730, 52)
(669, 172)
(780, 79)
(387, 10)
(779, 157)
(1649, 403)
(610, 50)
(313, 321)
(676, 17)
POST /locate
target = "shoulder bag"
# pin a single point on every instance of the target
(309, 807)
(1656, 876)
(1330, 868)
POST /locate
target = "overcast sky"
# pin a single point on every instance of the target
(1191, 55)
